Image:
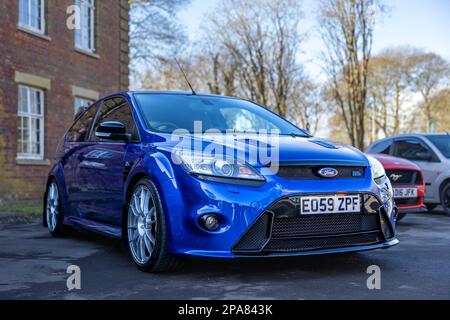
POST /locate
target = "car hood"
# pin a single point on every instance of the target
(390, 162)
(285, 150)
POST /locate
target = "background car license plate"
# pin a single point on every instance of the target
(330, 204)
(402, 193)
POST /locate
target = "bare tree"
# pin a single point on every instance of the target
(399, 76)
(440, 106)
(155, 34)
(389, 85)
(168, 75)
(259, 47)
(347, 31)
(251, 52)
(429, 75)
(220, 67)
(308, 105)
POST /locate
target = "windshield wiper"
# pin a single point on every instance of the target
(294, 135)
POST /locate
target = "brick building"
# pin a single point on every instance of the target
(47, 70)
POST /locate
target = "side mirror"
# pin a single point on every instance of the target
(423, 156)
(112, 130)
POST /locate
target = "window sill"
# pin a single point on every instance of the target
(87, 52)
(34, 33)
(32, 162)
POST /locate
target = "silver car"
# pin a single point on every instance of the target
(431, 152)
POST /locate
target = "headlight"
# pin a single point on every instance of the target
(378, 173)
(380, 178)
(199, 164)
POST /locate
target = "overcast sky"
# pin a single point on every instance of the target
(420, 23)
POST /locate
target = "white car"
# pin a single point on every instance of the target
(431, 152)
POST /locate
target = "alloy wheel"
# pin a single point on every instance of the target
(142, 224)
(52, 209)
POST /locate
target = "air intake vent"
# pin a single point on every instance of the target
(256, 237)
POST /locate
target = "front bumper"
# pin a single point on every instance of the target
(355, 248)
(186, 199)
(283, 230)
(411, 205)
(412, 209)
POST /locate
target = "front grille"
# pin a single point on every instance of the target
(404, 177)
(283, 229)
(322, 231)
(318, 225)
(311, 172)
(407, 201)
(306, 244)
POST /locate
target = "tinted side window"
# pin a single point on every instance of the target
(409, 149)
(116, 109)
(80, 130)
(382, 147)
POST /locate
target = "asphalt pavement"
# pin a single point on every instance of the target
(34, 266)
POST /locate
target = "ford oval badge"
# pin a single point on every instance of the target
(328, 172)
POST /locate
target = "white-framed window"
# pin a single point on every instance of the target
(85, 34)
(31, 123)
(32, 15)
(82, 102)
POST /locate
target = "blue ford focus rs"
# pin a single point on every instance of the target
(176, 174)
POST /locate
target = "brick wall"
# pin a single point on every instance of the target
(54, 57)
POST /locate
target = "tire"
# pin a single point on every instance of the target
(445, 198)
(401, 215)
(431, 207)
(54, 213)
(146, 232)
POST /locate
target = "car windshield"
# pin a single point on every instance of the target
(442, 143)
(197, 114)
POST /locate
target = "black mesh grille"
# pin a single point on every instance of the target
(311, 173)
(304, 244)
(403, 177)
(316, 225)
(256, 236)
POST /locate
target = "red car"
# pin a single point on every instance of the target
(407, 181)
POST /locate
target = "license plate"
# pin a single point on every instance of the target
(403, 193)
(330, 204)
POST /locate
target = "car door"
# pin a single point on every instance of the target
(75, 144)
(102, 166)
(416, 150)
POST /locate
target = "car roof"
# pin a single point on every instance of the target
(180, 93)
(434, 134)
(414, 134)
(422, 134)
(131, 92)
